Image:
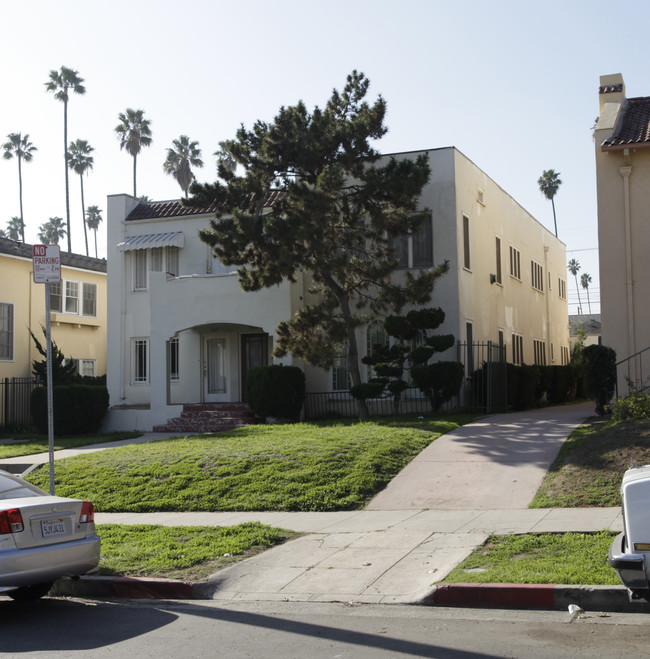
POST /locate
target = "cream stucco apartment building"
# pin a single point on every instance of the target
(182, 331)
(622, 140)
(78, 311)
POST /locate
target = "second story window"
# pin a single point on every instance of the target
(156, 259)
(415, 250)
(73, 297)
(515, 263)
(466, 250)
(537, 276)
(6, 331)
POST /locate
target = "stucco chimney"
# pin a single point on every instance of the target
(611, 90)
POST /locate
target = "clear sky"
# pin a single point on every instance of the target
(511, 84)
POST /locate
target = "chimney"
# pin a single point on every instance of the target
(611, 90)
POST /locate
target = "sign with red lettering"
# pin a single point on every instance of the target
(47, 264)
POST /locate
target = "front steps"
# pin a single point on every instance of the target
(209, 417)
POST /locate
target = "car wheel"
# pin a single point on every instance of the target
(30, 593)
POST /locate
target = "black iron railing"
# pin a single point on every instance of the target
(15, 396)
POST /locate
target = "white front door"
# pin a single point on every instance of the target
(215, 370)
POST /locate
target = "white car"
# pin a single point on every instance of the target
(42, 538)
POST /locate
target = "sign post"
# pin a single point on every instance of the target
(47, 270)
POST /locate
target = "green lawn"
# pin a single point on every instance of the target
(181, 552)
(31, 444)
(293, 467)
(589, 468)
(540, 558)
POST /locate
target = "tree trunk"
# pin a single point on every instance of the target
(65, 156)
(83, 211)
(135, 194)
(554, 220)
(20, 194)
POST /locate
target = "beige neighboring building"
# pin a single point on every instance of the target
(182, 331)
(78, 311)
(622, 137)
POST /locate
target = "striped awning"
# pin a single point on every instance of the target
(151, 240)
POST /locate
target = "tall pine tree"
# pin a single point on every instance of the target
(335, 215)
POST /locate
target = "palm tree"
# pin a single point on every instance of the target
(134, 132)
(80, 161)
(93, 218)
(15, 229)
(52, 231)
(226, 163)
(61, 83)
(573, 267)
(180, 159)
(585, 280)
(19, 146)
(548, 183)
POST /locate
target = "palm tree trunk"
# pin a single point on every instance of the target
(20, 194)
(588, 301)
(95, 230)
(83, 211)
(554, 219)
(134, 165)
(65, 156)
(578, 291)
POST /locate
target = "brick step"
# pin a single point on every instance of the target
(203, 417)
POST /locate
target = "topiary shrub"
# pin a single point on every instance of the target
(599, 372)
(77, 408)
(276, 391)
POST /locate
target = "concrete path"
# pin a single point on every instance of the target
(494, 463)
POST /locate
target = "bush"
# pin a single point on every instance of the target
(276, 390)
(635, 406)
(439, 382)
(77, 408)
(523, 385)
(599, 371)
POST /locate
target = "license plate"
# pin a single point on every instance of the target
(52, 527)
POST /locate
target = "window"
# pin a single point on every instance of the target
(537, 276)
(174, 373)
(65, 298)
(515, 263)
(140, 361)
(172, 261)
(517, 349)
(140, 270)
(71, 297)
(6, 331)
(341, 369)
(415, 250)
(564, 350)
(156, 259)
(376, 338)
(466, 253)
(561, 287)
(539, 352)
(87, 367)
(423, 244)
(56, 298)
(89, 305)
(498, 256)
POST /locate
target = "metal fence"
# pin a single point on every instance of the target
(15, 396)
(342, 405)
(631, 369)
(485, 388)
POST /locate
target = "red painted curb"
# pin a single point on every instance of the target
(533, 596)
(140, 588)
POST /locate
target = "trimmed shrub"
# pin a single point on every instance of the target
(523, 385)
(599, 371)
(634, 406)
(77, 408)
(439, 382)
(276, 391)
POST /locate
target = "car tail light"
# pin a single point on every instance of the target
(11, 521)
(87, 513)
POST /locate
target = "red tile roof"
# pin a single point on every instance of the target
(633, 128)
(150, 210)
